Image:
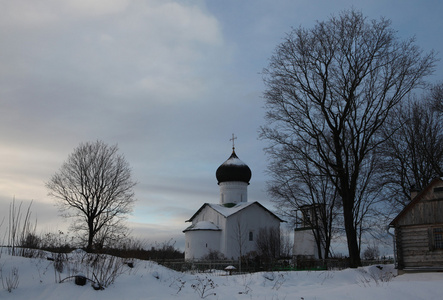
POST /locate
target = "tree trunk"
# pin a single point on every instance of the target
(90, 236)
(351, 234)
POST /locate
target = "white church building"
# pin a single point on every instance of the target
(231, 226)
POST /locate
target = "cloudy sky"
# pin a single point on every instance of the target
(168, 81)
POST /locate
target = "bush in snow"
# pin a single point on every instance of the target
(371, 252)
(377, 274)
(204, 286)
(106, 269)
(10, 281)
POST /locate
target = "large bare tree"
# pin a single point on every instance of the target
(413, 153)
(330, 89)
(94, 186)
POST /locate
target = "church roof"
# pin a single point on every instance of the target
(203, 225)
(233, 169)
(229, 211)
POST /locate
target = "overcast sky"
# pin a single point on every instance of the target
(168, 81)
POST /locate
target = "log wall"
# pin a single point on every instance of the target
(427, 211)
(415, 247)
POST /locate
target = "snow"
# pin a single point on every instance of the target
(148, 280)
(203, 225)
(234, 161)
(228, 211)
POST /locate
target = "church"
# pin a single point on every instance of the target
(231, 226)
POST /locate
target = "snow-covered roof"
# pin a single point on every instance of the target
(229, 211)
(234, 160)
(202, 225)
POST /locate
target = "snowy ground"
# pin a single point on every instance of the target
(37, 279)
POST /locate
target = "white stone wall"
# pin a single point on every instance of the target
(209, 214)
(233, 192)
(235, 232)
(248, 220)
(200, 242)
(304, 243)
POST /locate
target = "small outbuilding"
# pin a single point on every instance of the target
(306, 246)
(419, 231)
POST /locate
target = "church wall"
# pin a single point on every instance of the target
(237, 236)
(209, 214)
(200, 242)
(243, 224)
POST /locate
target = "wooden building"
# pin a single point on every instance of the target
(419, 231)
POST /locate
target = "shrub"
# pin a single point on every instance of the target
(371, 252)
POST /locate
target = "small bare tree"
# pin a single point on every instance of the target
(240, 235)
(286, 242)
(371, 252)
(268, 243)
(94, 186)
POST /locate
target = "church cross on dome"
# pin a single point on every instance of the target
(233, 139)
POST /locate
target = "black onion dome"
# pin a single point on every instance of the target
(233, 169)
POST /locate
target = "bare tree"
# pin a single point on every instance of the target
(240, 235)
(413, 153)
(330, 90)
(286, 242)
(436, 96)
(94, 186)
(297, 183)
(372, 252)
(268, 243)
(370, 210)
